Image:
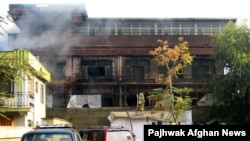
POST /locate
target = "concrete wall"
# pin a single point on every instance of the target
(85, 117)
(50, 121)
(12, 133)
(10, 139)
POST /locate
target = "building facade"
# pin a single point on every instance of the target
(105, 62)
(24, 102)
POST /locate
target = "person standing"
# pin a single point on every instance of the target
(141, 101)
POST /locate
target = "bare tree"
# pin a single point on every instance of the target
(4, 21)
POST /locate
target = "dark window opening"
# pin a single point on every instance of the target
(152, 32)
(202, 68)
(131, 100)
(96, 69)
(160, 32)
(180, 74)
(7, 87)
(119, 31)
(92, 32)
(96, 72)
(107, 101)
(162, 70)
(104, 63)
(137, 69)
(60, 71)
(88, 63)
(112, 32)
(138, 72)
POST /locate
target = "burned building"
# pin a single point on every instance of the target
(105, 62)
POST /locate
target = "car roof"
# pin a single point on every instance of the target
(53, 128)
(101, 128)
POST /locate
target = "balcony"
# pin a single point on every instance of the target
(17, 100)
(141, 40)
(115, 45)
(130, 41)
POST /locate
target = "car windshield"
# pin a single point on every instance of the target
(47, 137)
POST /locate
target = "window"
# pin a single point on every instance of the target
(42, 94)
(84, 136)
(162, 70)
(7, 87)
(112, 32)
(97, 135)
(96, 72)
(119, 31)
(60, 70)
(136, 28)
(36, 87)
(126, 31)
(202, 68)
(46, 136)
(187, 28)
(31, 87)
(152, 32)
(92, 32)
(137, 72)
(136, 69)
(147, 28)
(144, 31)
(124, 28)
(96, 69)
(175, 29)
(164, 28)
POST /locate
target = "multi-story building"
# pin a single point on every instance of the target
(105, 62)
(23, 101)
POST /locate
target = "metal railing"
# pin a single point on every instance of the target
(145, 31)
(20, 100)
(78, 40)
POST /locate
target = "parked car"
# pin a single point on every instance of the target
(52, 133)
(106, 133)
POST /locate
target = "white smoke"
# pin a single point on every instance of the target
(47, 25)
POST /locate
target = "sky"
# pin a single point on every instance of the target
(153, 8)
(149, 9)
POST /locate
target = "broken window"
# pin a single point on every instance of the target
(137, 69)
(96, 69)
